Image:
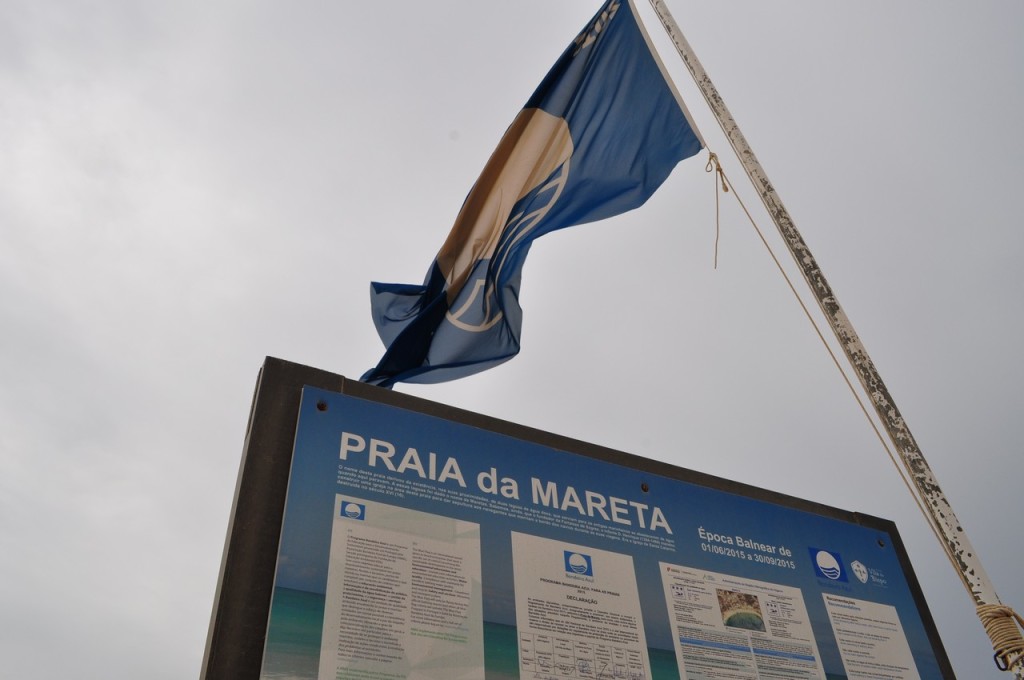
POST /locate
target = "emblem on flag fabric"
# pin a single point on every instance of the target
(597, 138)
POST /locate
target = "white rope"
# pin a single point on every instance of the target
(849, 383)
(1002, 624)
(1003, 627)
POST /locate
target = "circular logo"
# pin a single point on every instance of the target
(828, 565)
(860, 571)
(352, 511)
(578, 563)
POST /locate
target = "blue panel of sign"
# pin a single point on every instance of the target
(417, 547)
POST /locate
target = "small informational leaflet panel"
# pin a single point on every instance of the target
(578, 612)
(738, 629)
(871, 640)
(403, 592)
(422, 543)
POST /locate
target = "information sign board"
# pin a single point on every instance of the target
(419, 542)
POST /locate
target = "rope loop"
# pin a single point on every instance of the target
(1003, 627)
(714, 166)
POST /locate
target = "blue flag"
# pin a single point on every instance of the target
(597, 138)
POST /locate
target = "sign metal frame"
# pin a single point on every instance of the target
(242, 603)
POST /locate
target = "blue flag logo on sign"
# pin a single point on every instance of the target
(578, 563)
(827, 564)
(353, 510)
(597, 138)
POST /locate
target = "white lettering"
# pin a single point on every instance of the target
(608, 508)
(450, 471)
(640, 507)
(351, 443)
(382, 450)
(509, 488)
(571, 500)
(590, 33)
(658, 521)
(411, 460)
(596, 503)
(546, 495)
(619, 511)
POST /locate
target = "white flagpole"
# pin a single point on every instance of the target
(948, 526)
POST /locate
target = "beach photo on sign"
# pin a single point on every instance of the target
(740, 610)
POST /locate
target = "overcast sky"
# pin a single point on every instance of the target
(188, 187)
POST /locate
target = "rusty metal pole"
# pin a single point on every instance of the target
(948, 526)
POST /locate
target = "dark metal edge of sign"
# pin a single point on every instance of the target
(238, 622)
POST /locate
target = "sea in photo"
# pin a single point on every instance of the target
(296, 623)
(293, 639)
